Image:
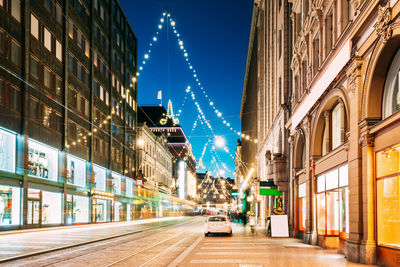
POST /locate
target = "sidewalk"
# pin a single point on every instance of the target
(14, 244)
(245, 248)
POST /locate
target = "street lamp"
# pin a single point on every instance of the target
(219, 141)
(141, 143)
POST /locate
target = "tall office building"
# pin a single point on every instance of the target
(67, 112)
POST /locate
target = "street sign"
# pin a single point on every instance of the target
(267, 183)
(234, 194)
(270, 192)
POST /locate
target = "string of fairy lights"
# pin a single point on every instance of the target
(165, 21)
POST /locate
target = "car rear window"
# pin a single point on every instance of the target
(217, 219)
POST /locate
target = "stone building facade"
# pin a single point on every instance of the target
(247, 161)
(344, 141)
(328, 110)
(273, 94)
(154, 159)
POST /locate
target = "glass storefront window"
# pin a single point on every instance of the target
(100, 210)
(117, 211)
(333, 204)
(302, 214)
(332, 179)
(388, 162)
(76, 171)
(343, 176)
(321, 210)
(321, 183)
(7, 151)
(77, 209)
(332, 213)
(99, 175)
(42, 161)
(302, 207)
(388, 196)
(129, 187)
(128, 212)
(10, 205)
(51, 208)
(116, 183)
(344, 212)
(388, 209)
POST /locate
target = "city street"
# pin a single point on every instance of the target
(177, 242)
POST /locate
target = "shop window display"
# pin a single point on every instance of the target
(33, 206)
(118, 211)
(51, 208)
(128, 212)
(332, 203)
(10, 205)
(116, 183)
(42, 161)
(129, 187)
(388, 197)
(100, 210)
(76, 171)
(7, 151)
(302, 207)
(77, 209)
(99, 175)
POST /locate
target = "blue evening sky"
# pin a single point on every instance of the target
(215, 35)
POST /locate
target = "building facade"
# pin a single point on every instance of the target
(162, 122)
(68, 112)
(273, 93)
(344, 174)
(154, 159)
(247, 162)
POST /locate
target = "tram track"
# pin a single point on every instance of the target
(101, 243)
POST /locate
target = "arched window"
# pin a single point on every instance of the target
(303, 155)
(391, 94)
(334, 128)
(337, 129)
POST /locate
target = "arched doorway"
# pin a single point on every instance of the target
(330, 170)
(380, 112)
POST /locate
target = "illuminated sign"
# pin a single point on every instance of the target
(270, 192)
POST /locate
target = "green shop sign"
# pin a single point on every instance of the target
(270, 192)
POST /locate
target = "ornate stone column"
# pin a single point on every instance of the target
(292, 188)
(368, 244)
(310, 236)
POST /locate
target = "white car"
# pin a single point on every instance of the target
(217, 224)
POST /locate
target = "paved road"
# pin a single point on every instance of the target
(182, 244)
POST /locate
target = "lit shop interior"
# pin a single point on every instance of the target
(52, 200)
(388, 197)
(333, 207)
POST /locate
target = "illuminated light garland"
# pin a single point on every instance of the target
(154, 40)
(195, 76)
